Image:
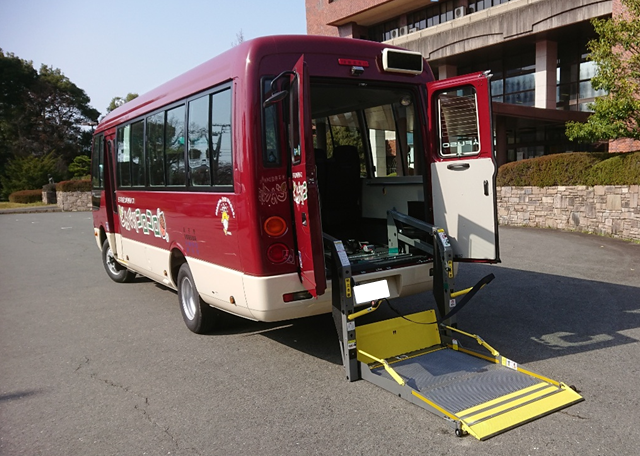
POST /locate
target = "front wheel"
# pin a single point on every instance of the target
(115, 270)
(199, 317)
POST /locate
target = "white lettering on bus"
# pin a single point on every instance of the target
(469, 142)
(144, 221)
(297, 175)
(126, 200)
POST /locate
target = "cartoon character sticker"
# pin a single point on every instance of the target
(225, 210)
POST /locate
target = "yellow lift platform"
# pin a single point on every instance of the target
(429, 361)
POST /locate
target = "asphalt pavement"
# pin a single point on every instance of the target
(91, 367)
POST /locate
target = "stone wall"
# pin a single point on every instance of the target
(611, 210)
(74, 201)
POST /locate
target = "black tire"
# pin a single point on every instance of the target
(199, 317)
(115, 270)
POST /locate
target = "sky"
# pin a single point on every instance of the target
(112, 48)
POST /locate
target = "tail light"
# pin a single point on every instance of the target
(275, 226)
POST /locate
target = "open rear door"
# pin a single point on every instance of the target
(463, 167)
(304, 185)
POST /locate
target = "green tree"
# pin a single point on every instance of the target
(29, 173)
(616, 52)
(80, 166)
(42, 113)
(17, 79)
(116, 102)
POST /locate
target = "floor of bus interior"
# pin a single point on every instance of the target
(366, 257)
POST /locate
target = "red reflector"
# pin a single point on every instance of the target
(278, 253)
(353, 62)
(298, 296)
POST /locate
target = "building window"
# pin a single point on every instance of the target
(573, 78)
(434, 14)
(513, 79)
(417, 20)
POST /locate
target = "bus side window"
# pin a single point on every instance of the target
(199, 142)
(174, 146)
(155, 149)
(124, 156)
(221, 157)
(97, 170)
(137, 154)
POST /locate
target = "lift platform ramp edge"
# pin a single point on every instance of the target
(429, 361)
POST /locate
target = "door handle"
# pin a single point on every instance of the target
(460, 167)
(486, 188)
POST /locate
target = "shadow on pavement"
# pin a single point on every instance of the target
(526, 316)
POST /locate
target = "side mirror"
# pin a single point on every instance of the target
(275, 98)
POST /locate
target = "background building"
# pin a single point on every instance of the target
(535, 49)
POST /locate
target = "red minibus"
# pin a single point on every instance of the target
(221, 182)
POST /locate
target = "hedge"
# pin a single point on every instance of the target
(74, 186)
(574, 168)
(26, 197)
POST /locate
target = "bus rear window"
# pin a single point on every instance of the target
(271, 156)
(378, 122)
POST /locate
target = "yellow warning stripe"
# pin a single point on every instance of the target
(477, 355)
(501, 399)
(388, 368)
(539, 377)
(520, 369)
(435, 406)
(506, 406)
(524, 414)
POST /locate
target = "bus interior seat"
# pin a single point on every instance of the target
(321, 172)
(342, 213)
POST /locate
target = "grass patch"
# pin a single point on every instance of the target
(8, 205)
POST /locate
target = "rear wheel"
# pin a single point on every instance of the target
(115, 270)
(197, 314)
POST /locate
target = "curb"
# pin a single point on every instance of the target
(31, 210)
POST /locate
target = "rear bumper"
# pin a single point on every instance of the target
(264, 295)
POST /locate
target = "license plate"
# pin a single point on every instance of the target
(371, 291)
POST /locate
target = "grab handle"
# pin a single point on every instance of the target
(460, 167)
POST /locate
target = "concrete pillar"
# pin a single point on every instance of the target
(447, 71)
(546, 64)
(379, 149)
(501, 140)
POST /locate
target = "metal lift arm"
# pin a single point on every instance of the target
(417, 357)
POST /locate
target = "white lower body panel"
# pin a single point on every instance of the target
(259, 298)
